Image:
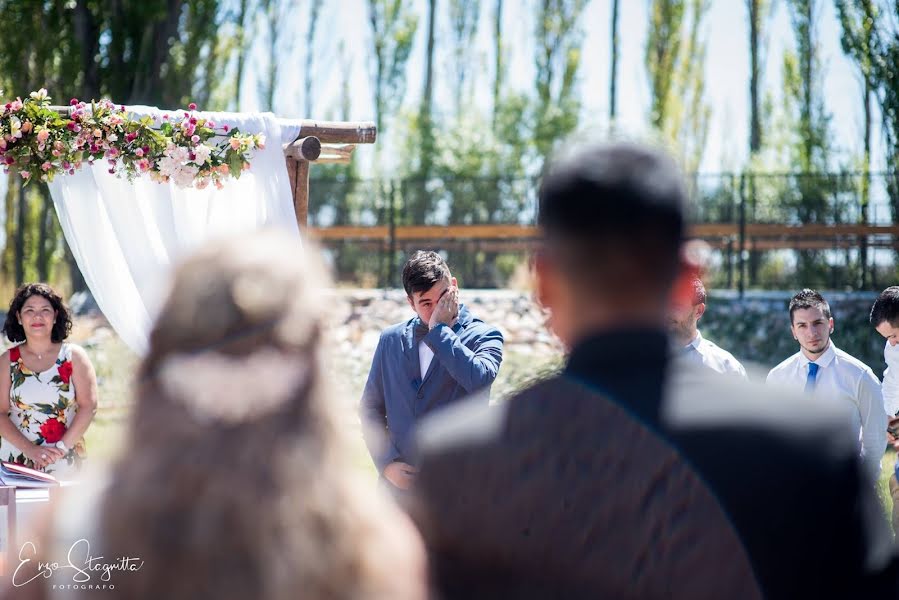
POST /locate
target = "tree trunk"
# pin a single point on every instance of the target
(428, 92)
(498, 59)
(155, 48)
(613, 78)
(866, 180)
(314, 7)
(88, 38)
(20, 235)
(75, 277)
(43, 237)
(241, 50)
(807, 61)
(755, 127)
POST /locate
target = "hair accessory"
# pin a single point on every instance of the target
(230, 389)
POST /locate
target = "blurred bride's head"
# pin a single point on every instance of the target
(236, 481)
(236, 344)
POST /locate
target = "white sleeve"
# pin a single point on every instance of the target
(874, 422)
(891, 379)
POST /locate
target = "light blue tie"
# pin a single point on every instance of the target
(811, 379)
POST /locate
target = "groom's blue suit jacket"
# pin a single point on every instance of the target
(466, 361)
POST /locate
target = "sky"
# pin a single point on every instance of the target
(727, 69)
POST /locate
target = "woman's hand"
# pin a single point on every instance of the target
(42, 456)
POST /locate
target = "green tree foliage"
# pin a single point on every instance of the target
(393, 25)
(858, 21)
(161, 52)
(663, 44)
(558, 40)
(811, 196)
(675, 61)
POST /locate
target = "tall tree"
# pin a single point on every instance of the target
(675, 61)
(163, 52)
(276, 22)
(756, 10)
(241, 21)
(662, 52)
(613, 71)
(690, 128)
(420, 144)
(393, 25)
(557, 59)
(463, 17)
(498, 63)
(858, 20)
(810, 196)
(812, 149)
(309, 68)
(427, 97)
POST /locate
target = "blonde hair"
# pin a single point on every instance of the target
(236, 481)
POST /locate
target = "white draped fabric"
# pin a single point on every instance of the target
(126, 235)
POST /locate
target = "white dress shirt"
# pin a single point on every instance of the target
(891, 379)
(712, 356)
(848, 379)
(425, 356)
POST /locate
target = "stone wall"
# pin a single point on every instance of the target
(755, 329)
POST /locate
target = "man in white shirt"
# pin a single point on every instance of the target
(821, 368)
(688, 341)
(885, 319)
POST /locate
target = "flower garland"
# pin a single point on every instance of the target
(39, 143)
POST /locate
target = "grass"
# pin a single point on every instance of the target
(883, 485)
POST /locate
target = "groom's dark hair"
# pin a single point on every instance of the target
(423, 270)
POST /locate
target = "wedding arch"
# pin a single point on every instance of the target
(126, 231)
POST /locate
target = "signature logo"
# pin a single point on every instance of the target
(79, 560)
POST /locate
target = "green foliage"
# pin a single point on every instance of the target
(463, 17)
(675, 61)
(663, 44)
(557, 59)
(162, 52)
(803, 90)
(869, 37)
(393, 26)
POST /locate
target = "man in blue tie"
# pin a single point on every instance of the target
(822, 368)
(434, 359)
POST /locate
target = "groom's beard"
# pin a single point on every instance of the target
(682, 331)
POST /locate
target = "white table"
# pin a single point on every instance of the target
(28, 501)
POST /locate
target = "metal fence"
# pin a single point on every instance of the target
(767, 230)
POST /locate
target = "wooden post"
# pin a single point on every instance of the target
(298, 170)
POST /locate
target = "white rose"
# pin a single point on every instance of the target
(202, 153)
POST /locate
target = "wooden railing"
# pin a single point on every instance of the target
(757, 236)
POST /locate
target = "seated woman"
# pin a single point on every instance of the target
(236, 479)
(50, 397)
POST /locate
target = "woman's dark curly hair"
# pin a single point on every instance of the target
(62, 327)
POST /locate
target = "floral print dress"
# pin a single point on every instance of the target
(42, 405)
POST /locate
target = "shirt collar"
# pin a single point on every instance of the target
(696, 340)
(823, 361)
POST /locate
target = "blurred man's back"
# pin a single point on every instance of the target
(581, 468)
